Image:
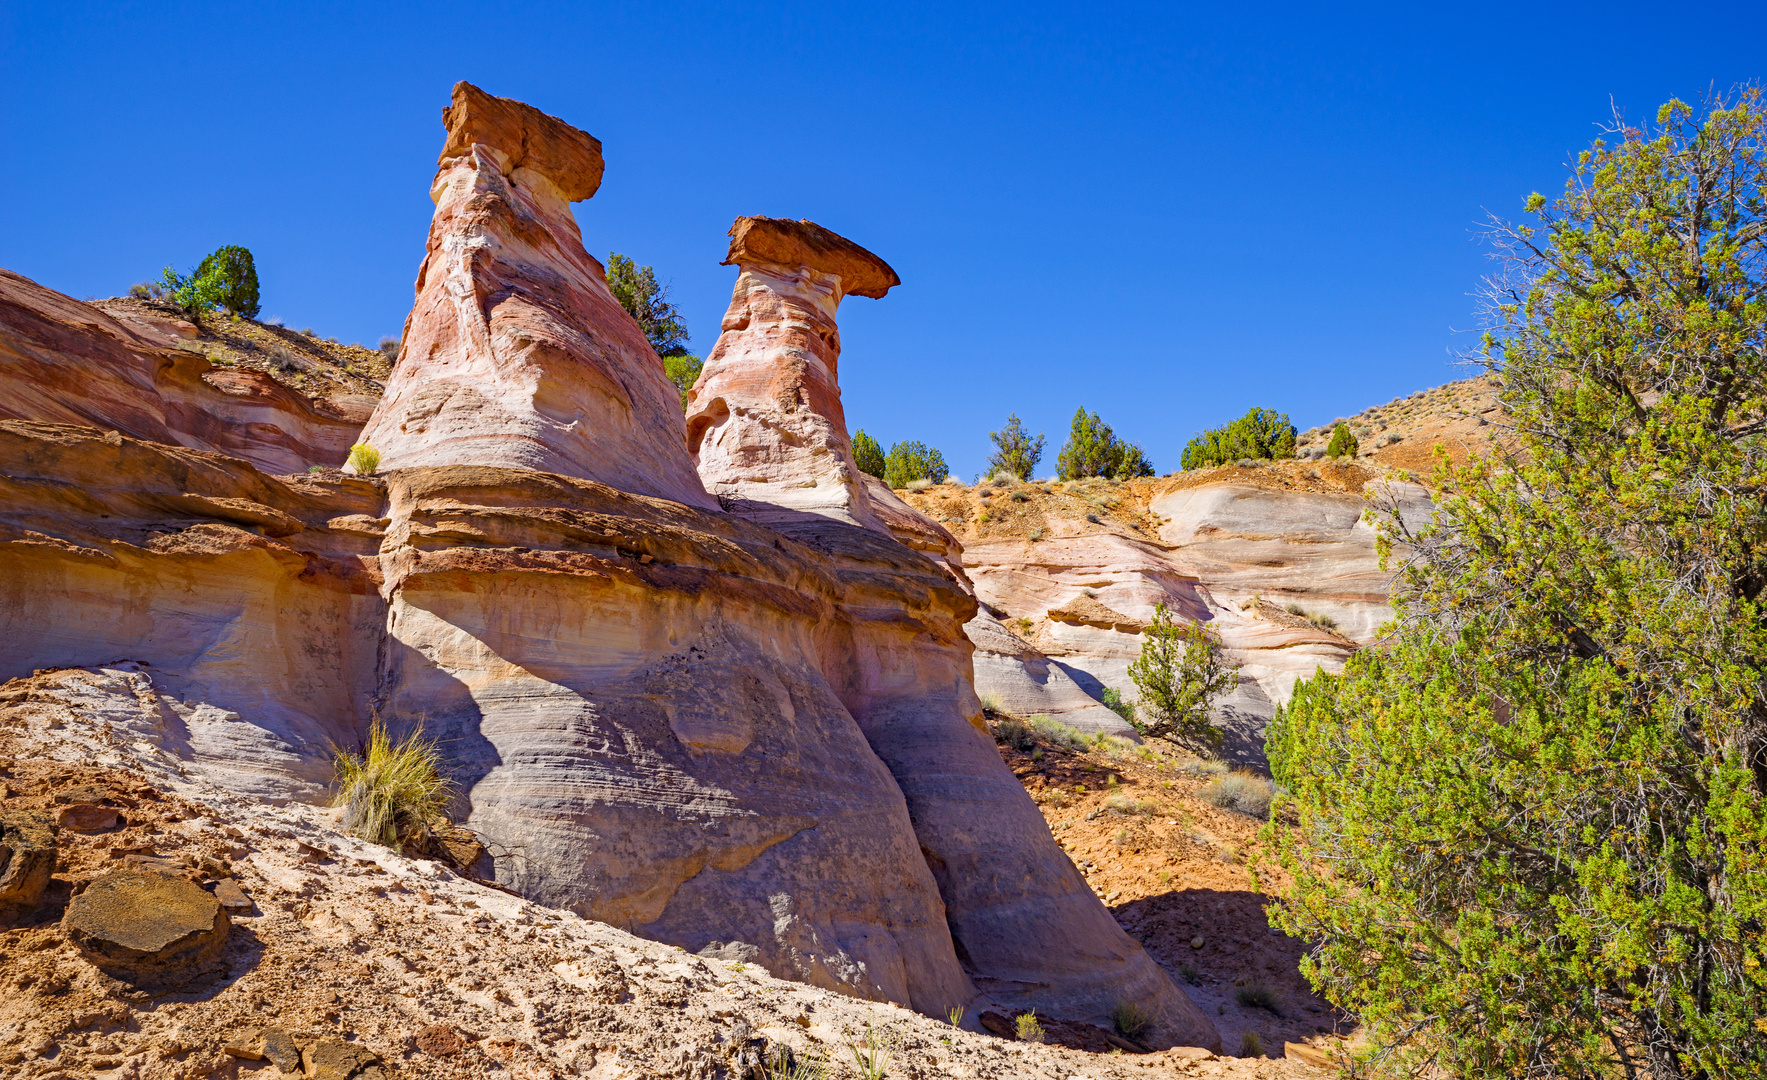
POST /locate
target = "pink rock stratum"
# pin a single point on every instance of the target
(516, 354)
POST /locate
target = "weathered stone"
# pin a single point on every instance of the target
(499, 369)
(147, 927)
(440, 1040)
(335, 1059)
(804, 244)
(27, 857)
(1309, 1055)
(232, 897)
(88, 817)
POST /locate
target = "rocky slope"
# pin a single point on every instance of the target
(761, 744)
(344, 959)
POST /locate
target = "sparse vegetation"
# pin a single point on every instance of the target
(1113, 700)
(1093, 449)
(392, 793)
(1324, 622)
(364, 459)
(1180, 672)
(955, 1015)
(389, 348)
(1016, 734)
(1343, 443)
(1251, 1045)
(781, 1064)
(1015, 452)
(1241, 792)
(872, 1051)
(683, 370)
(1029, 1029)
(1131, 1019)
(1255, 995)
(1258, 435)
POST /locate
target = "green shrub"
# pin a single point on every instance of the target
(1093, 449)
(1016, 734)
(1180, 671)
(1255, 995)
(909, 461)
(364, 459)
(1015, 452)
(1259, 434)
(1029, 1030)
(236, 279)
(392, 793)
(1251, 1044)
(683, 370)
(868, 456)
(1113, 700)
(1343, 444)
(1243, 793)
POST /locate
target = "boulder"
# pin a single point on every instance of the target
(27, 857)
(516, 354)
(147, 928)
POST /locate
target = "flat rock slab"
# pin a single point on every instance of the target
(147, 927)
(27, 857)
(89, 817)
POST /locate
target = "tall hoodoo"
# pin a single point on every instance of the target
(765, 421)
(516, 354)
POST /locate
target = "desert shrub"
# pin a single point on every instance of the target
(683, 370)
(1123, 804)
(148, 290)
(1203, 768)
(235, 275)
(1180, 672)
(364, 459)
(647, 301)
(1241, 792)
(1258, 435)
(868, 456)
(918, 485)
(1016, 734)
(1015, 452)
(1113, 700)
(391, 793)
(195, 295)
(1251, 1044)
(1093, 449)
(1324, 622)
(872, 1051)
(1029, 1030)
(780, 1063)
(1544, 801)
(1131, 1019)
(1343, 443)
(1189, 972)
(389, 348)
(955, 1015)
(1255, 995)
(911, 460)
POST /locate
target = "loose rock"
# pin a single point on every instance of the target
(147, 928)
(27, 857)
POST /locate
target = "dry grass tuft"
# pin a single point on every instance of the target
(393, 793)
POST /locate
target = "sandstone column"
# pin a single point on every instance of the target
(765, 421)
(516, 354)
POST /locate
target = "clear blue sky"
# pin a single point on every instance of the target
(1167, 213)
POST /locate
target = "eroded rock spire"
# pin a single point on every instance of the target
(516, 354)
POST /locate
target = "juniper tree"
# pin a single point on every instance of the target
(1532, 835)
(1015, 451)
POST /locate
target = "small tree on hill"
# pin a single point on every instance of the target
(1259, 434)
(911, 461)
(236, 279)
(1180, 672)
(1015, 452)
(1343, 443)
(647, 300)
(1532, 828)
(1093, 449)
(868, 456)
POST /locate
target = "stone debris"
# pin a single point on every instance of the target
(27, 857)
(149, 928)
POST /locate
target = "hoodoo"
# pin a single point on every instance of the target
(765, 422)
(516, 354)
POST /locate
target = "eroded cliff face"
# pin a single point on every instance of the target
(751, 734)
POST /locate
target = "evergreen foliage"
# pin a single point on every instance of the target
(868, 456)
(1180, 672)
(1343, 443)
(647, 300)
(1015, 452)
(236, 277)
(1259, 434)
(911, 461)
(1532, 831)
(683, 371)
(1093, 449)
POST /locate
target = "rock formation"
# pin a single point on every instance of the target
(771, 440)
(65, 362)
(757, 741)
(764, 422)
(516, 354)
